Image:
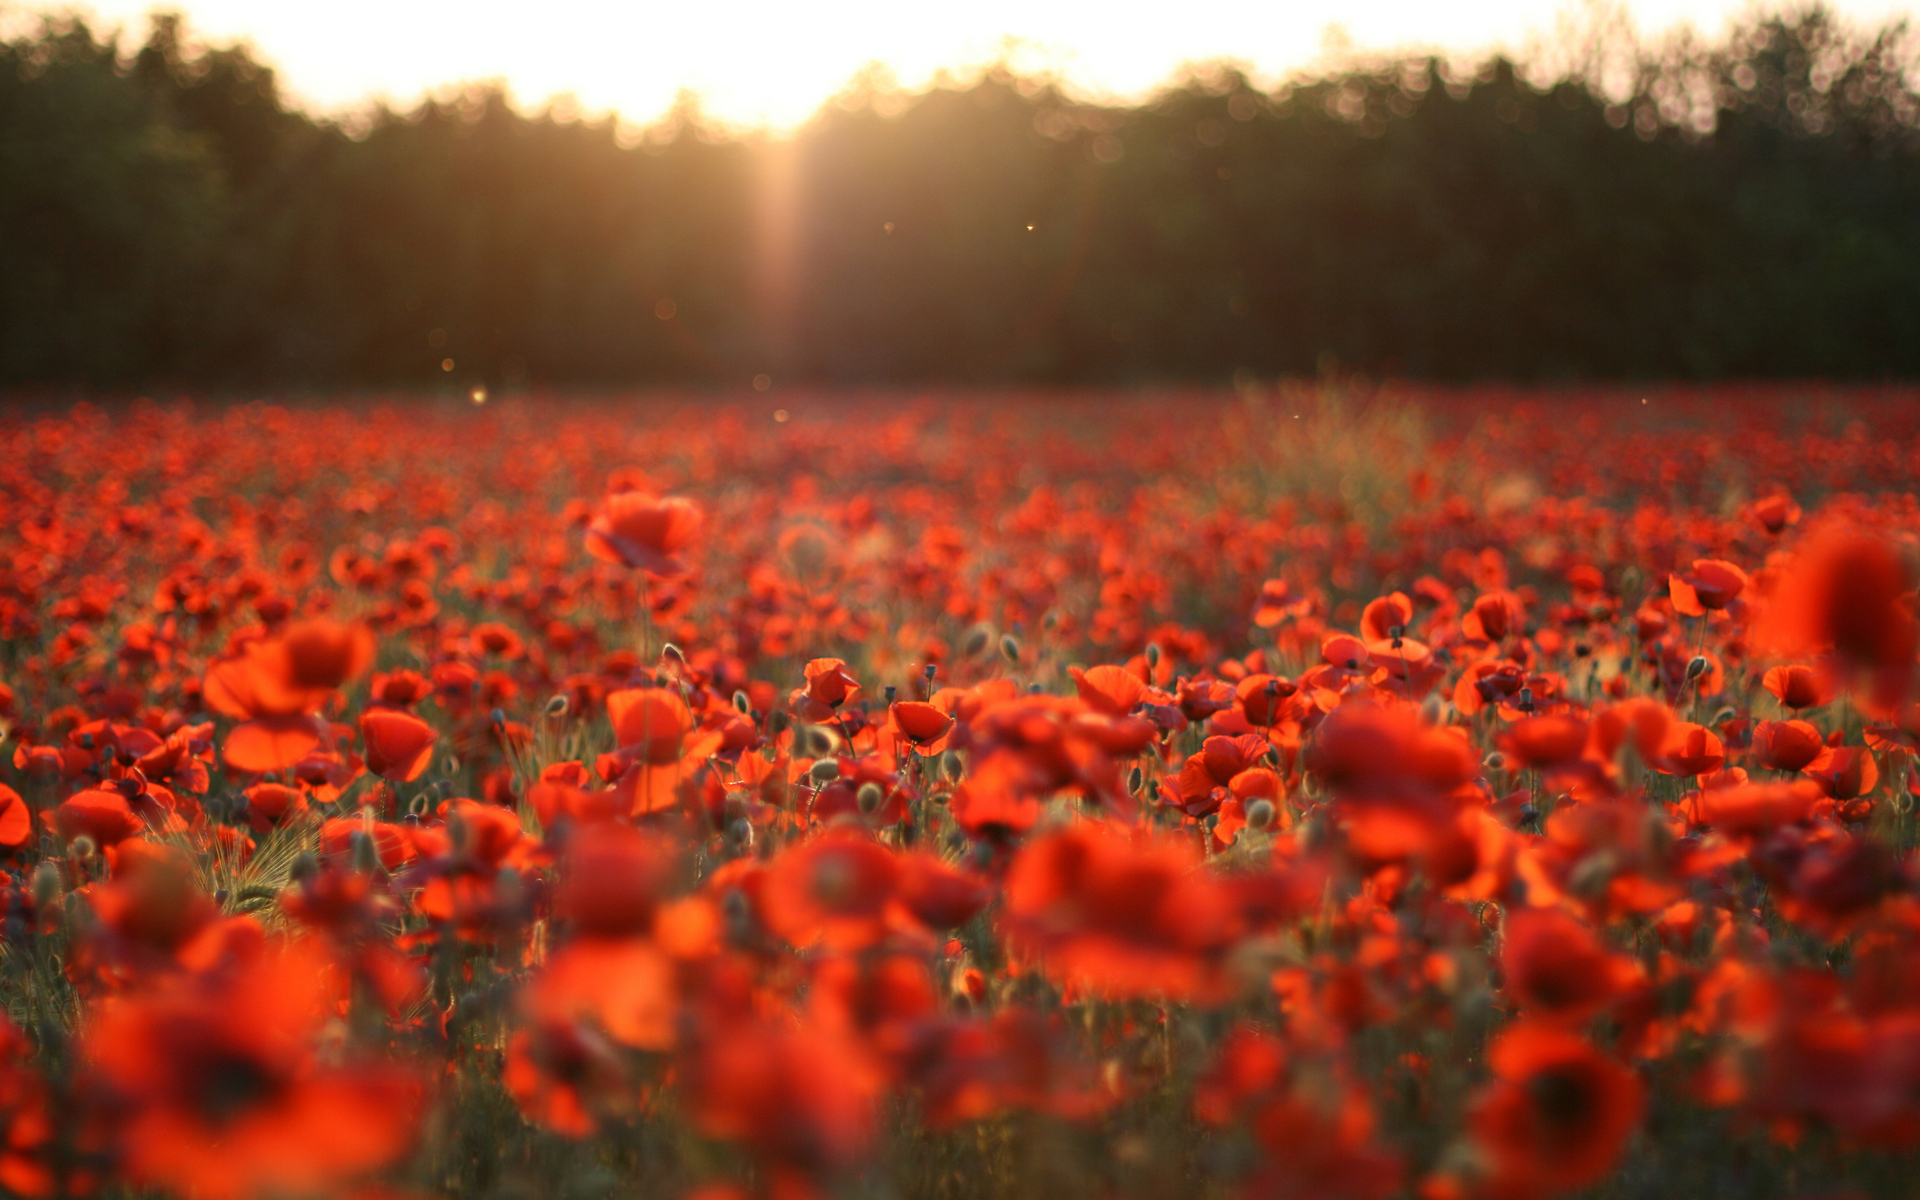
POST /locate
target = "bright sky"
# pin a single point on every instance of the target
(774, 61)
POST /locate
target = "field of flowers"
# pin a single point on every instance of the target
(1315, 793)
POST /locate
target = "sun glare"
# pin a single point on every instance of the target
(760, 62)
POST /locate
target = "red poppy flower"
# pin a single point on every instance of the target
(646, 532)
(1689, 749)
(224, 1108)
(1848, 593)
(921, 725)
(1556, 1116)
(399, 744)
(1844, 772)
(1712, 584)
(1786, 745)
(1120, 918)
(1556, 969)
(649, 724)
(829, 686)
(16, 820)
(834, 889)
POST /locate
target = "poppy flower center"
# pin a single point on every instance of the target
(1562, 1098)
(227, 1085)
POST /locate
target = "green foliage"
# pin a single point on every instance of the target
(1741, 209)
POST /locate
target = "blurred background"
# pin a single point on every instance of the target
(1600, 206)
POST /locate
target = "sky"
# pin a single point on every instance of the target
(773, 62)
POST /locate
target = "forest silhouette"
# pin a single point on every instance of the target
(1744, 208)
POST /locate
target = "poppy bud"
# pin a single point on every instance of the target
(1724, 715)
(1591, 877)
(1034, 689)
(46, 887)
(818, 742)
(742, 704)
(365, 859)
(557, 707)
(669, 650)
(511, 891)
(1697, 667)
(1010, 648)
(870, 797)
(1495, 761)
(1153, 656)
(738, 911)
(1526, 699)
(1134, 779)
(82, 848)
(1260, 814)
(1527, 815)
(976, 641)
(929, 671)
(892, 693)
(955, 768)
(305, 866)
(740, 832)
(497, 718)
(823, 772)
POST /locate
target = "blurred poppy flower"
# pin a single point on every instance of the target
(399, 744)
(1710, 585)
(1849, 594)
(224, 1109)
(1556, 1116)
(643, 531)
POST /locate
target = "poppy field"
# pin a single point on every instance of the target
(1322, 792)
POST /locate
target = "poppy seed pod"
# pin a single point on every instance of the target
(1260, 814)
(82, 848)
(1135, 778)
(1153, 656)
(892, 693)
(976, 643)
(1697, 667)
(742, 705)
(1010, 648)
(955, 768)
(557, 707)
(824, 772)
(1495, 761)
(46, 886)
(740, 832)
(870, 797)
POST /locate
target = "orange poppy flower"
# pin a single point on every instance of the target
(643, 531)
(829, 686)
(1689, 749)
(1844, 772)
(1556, 1116)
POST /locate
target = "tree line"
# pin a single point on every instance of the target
(1745, 208)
